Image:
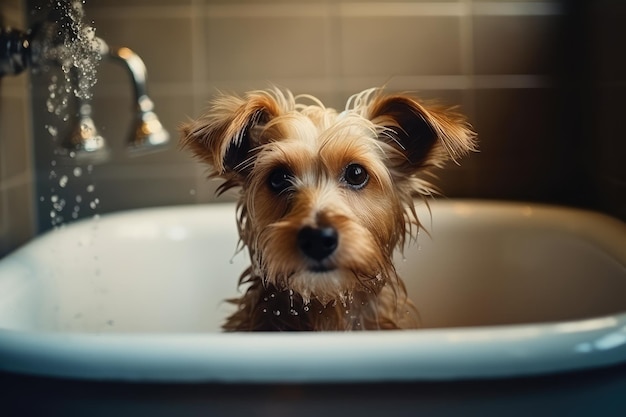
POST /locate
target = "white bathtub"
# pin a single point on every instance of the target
(504, 289)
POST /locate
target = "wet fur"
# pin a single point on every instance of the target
(396, 138)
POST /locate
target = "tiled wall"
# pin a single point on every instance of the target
(16, 185)
(456, 51)
(508, 65)
(606, 105)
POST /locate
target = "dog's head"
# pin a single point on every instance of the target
(326, 196)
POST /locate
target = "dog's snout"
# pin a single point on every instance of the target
(318, 242)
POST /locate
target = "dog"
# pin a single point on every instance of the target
(325, 199)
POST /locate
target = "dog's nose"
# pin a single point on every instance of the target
(317, 242)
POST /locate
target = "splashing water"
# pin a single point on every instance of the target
(72, 46)
(78, 54)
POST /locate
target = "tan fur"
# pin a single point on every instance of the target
(394, 138)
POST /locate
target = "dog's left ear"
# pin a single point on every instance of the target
(421, 136)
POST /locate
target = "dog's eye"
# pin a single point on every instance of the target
(356, 176)
(280, 179)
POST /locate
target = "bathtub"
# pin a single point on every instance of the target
(504, 290)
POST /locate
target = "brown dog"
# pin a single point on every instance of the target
(326, 198)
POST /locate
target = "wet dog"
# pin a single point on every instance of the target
(325, 199)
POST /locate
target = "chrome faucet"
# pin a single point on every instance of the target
(20, 50)
(147, 132)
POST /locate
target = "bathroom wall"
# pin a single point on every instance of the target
(604, 105)
(16, 185)
(457, 52)
(516, 68)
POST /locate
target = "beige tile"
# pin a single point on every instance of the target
(107, 188)
(521, 123)
(93, 6)
(17, 223)
(455, 182)
(14, 144)
(11, 14)
(164, 44)
(265, 48)
(515, 44)
(388, 46)
(136, 189)
(4, 225)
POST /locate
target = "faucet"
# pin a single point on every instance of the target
(20, 50)
(85, 142)
(147, 132)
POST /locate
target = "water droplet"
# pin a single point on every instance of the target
(78, 171)
(192, 192)
(79, 198)
(90, 188)
(306, 308)
(54, 198)
(52, 130)
(277, 313)
(63, 181)
(59, 205)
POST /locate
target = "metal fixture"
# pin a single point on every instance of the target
(20, 50)
(85, 142)
(14, 51)
(147, 133)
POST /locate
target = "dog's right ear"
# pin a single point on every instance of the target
(227, 136)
